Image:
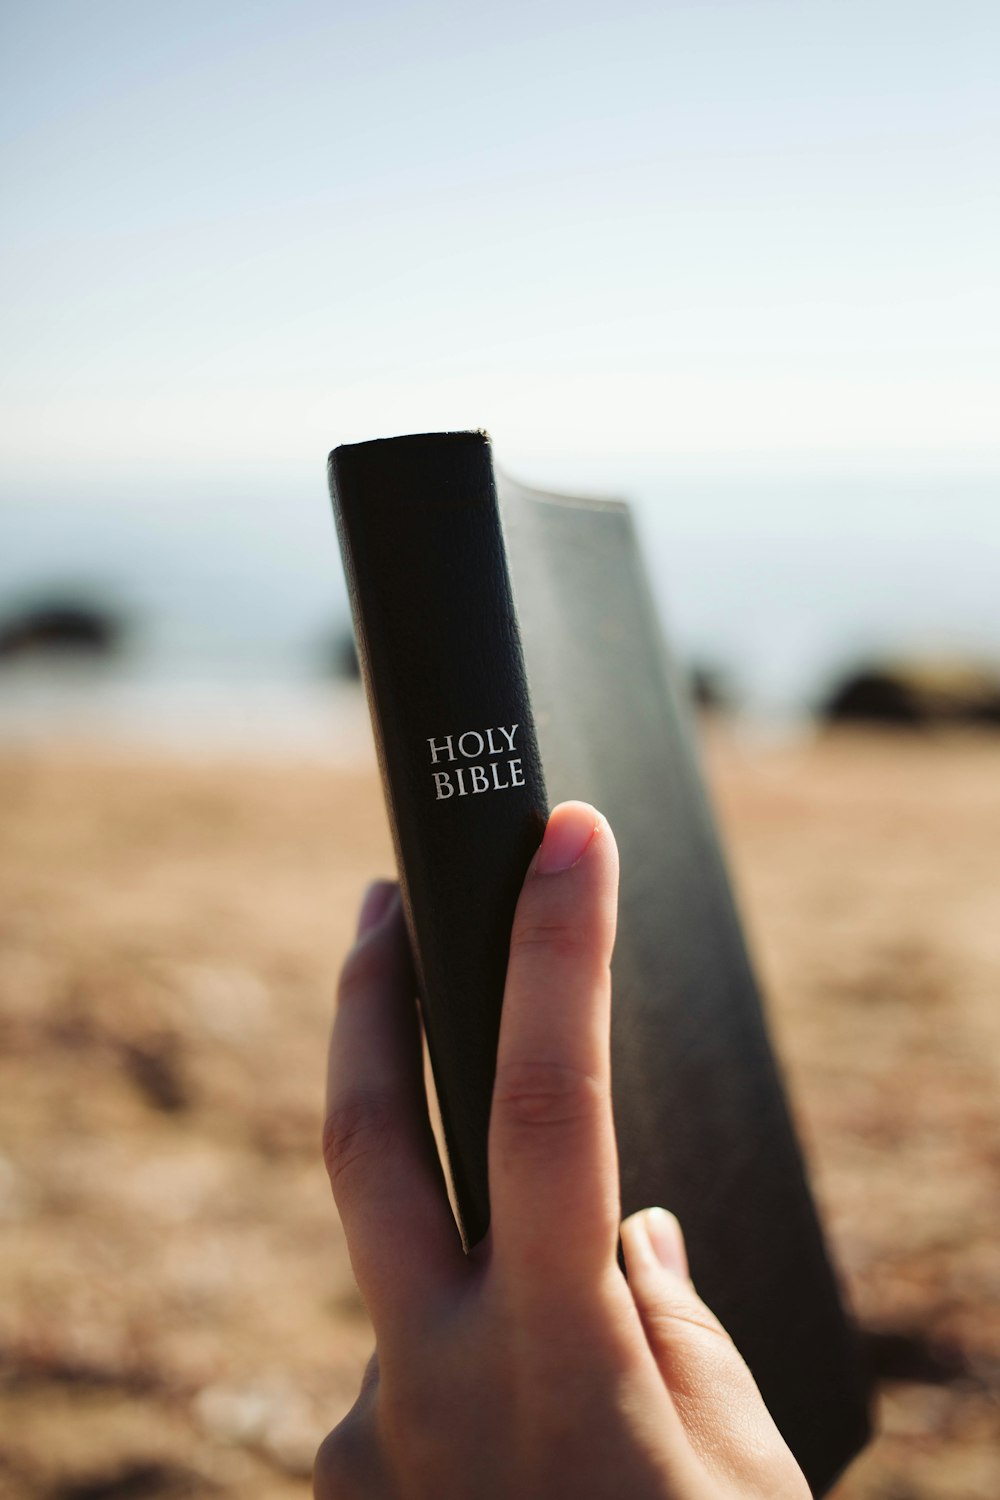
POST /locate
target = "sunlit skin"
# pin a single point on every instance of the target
(529, 1369)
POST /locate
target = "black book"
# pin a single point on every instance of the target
(513, 658)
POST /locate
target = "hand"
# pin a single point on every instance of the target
(529, 1369)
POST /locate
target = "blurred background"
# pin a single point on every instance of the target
(734, 261)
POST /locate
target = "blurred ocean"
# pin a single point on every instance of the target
(234, 595)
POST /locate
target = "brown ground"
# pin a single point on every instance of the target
(176, 1308)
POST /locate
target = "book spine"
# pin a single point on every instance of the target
(440, 654)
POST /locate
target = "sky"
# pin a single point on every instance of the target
(738, 260)
(756, 233)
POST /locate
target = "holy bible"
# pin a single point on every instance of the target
(512, 659)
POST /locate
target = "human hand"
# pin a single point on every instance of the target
(529, 1369)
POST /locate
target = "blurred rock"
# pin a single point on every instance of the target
(916, 693)
(224, 1001)
(270, 1416)
(139, 1481)
(81, 1358)
(710, 687)
(57, 626)
(911, 1354)
(155, 1069)
(339, 656)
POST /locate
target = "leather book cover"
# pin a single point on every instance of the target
(438, 645)
(475, 614)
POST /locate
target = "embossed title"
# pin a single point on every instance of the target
(490, 764)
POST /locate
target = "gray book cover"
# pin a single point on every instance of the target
(700, 1112)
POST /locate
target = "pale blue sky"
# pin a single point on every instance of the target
(746, 232)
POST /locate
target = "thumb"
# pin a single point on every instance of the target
(553, 1165)
(716, 1397)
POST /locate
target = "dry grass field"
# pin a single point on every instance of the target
(177, 1314)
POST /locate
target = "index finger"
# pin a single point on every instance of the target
(552, 1156)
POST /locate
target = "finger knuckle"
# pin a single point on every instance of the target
(416, 1410)
(540, 936)
(413, 1415)
(343, 1462)
(356, 1132)
(537, 1092)
(690, 1322)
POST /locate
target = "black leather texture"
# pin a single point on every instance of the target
(438, 643)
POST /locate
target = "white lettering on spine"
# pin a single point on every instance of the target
(467, 780)
(446, 749)
(470, 734)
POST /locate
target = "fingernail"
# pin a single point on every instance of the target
(375, 904)
(667, 1241)
(570, 828)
